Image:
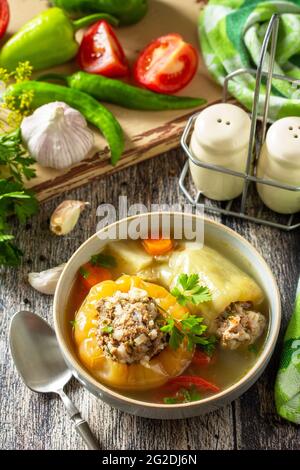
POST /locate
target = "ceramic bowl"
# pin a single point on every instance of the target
(229, 243)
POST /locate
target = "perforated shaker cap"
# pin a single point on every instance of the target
(223, 127)
(283, 141)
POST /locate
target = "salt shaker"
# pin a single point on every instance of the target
(280, 161)
(220, 137)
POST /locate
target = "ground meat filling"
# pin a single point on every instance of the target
(240, 325)
(129, 327)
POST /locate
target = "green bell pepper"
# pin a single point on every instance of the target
(46, 40)
(127, 11)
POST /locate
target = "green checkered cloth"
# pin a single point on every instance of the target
(287, 386)
(231, 34)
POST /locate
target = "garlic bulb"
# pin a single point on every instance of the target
(46, 281)
(66, 216)
(56, 135)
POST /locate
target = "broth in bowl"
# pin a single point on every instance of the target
(166, 322)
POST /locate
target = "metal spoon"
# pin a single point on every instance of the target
(36, 354)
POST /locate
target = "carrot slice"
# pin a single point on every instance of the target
(186, 380)
(156, 247)
(91, 275)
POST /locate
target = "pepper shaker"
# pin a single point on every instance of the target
(280, 161)
(220, 137)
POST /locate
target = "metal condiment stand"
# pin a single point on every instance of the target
(255, 143)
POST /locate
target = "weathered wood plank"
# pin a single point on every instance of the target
(36, 422)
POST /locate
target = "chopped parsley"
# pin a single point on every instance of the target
(107, 329)
(84, 272)
(73, 323)
(105, 261)
(183, 395)
(170, 400)
(253, 349)
(188, 289)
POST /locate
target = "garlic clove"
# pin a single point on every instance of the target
(46, 281)
(66, 216)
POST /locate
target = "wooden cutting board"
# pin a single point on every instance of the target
(147, 133)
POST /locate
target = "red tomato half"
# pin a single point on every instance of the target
(4, 16)
(100, 52)
(166, 65)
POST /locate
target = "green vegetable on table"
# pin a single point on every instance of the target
(94, 112)
(127, 11)
(46, 40)
(287, 385)
(15, 165)
(120, 93)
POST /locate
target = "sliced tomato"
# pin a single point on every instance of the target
(101, 53)
(202, 359)
(4, 17)
(91, 275)
(166, 65)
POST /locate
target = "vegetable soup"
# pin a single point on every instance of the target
(166, 322)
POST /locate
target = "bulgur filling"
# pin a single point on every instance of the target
(129, 327)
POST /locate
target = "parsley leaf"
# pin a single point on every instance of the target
(210, 345)
(15, 158)
(175, 335)
(106, 261)
(189, 290)
(253, 349)
(190, 327)
(73, 323)
(183, 395)
(15, 200)
(170, 400)
(84, 272)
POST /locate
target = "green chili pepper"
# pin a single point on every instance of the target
(122, 94)
(93, 111)
(46, 40)
(127, 11)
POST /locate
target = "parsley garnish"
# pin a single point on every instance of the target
(170, 400)
(253, 349)
(73, 323)
(190, 327)
(183, 396)
(210, 346)
(106, 261)
(84, 272)
(189, 290)
(107, 329)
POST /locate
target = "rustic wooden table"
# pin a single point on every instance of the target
(31, 421)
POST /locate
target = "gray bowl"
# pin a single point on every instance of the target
(229, 243)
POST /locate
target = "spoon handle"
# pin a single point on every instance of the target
(81, 425)
(85, 432)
